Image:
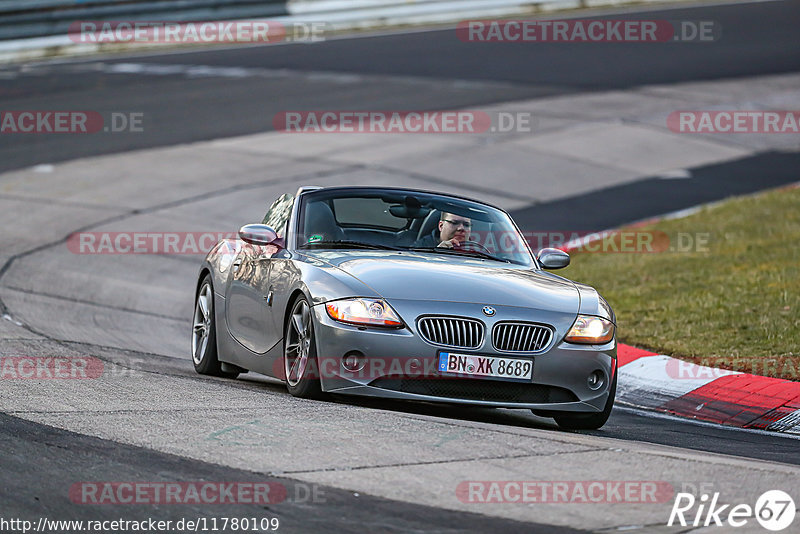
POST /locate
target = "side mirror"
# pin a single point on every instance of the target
(552, 258)
(257, 234)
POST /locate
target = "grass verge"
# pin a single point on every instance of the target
(721, 287)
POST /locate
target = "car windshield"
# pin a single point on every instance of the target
(385, 219)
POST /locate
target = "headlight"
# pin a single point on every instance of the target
(590, 330)
(367, 312)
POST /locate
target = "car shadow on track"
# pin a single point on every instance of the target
(522, 418)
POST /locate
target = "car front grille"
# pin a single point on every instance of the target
(456, 332)
(521, 337)
(480, 390)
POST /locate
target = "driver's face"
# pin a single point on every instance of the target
(454, 226)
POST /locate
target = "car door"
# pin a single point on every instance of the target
(245, 301)
(249, 295)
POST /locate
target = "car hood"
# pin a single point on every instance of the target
(419, 276)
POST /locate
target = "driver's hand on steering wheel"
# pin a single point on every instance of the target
(450, 243)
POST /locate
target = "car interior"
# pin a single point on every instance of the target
(393, 221)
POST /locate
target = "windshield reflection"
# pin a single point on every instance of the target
(397, 219)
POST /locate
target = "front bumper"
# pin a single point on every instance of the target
(399, 364)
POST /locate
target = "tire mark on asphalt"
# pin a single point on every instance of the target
(323, 160)
(418, 412)
(433, 462)
(453, 183)
(57, 202)
(125, 67)
(152, 209)
(70, 455)
(96, 304)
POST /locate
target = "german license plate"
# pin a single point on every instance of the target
(451, 363)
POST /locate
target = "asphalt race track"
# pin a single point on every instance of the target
(422, 71)
(381, 466)
(69, 456)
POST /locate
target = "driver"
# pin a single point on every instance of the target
(453, 231)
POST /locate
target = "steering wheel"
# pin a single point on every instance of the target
(473, 245)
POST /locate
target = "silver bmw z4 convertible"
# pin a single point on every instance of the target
(405, 294)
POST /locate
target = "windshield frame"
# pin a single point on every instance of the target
(306, 194)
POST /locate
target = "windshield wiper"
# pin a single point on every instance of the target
(348, 244)
(457, 252)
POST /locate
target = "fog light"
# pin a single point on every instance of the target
(596, 380)
(353, 361)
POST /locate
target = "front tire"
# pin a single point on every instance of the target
(300, 353)
(591, 421)
(204, 333)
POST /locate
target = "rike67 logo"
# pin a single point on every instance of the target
(774, 510)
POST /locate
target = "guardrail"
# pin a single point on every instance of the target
(37, 18)
(349, 14)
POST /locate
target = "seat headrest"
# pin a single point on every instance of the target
(430, 223)
(320, 221)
